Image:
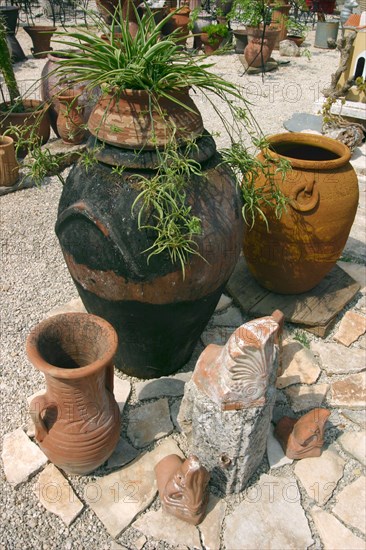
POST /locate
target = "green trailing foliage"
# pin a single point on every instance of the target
(216, 32)
(6, 67)
(161, 67)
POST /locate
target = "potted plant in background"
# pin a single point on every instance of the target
(198, 19)
(256, 15)
(147, 250)
(40, 35)
(212, 37)
(23, 113)
(9, 14)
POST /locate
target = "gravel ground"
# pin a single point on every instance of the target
(34, 279)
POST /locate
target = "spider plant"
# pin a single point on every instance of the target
(160, 66)
(144, 62)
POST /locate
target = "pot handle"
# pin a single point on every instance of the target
(109, 378)
(308, 192)
(2, 168)
(36, 407)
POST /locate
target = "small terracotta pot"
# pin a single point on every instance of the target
(41, 37)
(124, 120)
(210, 46)
(257, 52)
(9, 168)
(70, 120)
(77, 419)
(297, 39)
(35, 115)
(179, 21)
(51, 88)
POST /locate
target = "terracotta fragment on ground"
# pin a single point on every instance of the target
(183, 487)
(303, 437)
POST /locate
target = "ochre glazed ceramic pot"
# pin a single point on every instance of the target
(123, 120)
(303, 245)
(77, 419)
(158, 315)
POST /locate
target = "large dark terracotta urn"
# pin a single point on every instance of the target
(158, 314)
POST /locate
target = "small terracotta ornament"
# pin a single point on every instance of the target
(183, 487)
(302, 438)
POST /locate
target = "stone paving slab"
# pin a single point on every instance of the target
(351, 505)
(163, 526)
(21, 457)
(306, 397)
(210, 528)
(124, 494)
(121, 391)
(56, 495)
(276, 456)
(354, 443)
(336, 359)
(269, 518)
(350, 392)
(352, 326)
(299, 366)
(122, 454)
(333, 534)
(149, 422)
(162, 387)
(320, 475)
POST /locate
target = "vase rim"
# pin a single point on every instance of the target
(37, 359)
(5, 141)
(315, 140)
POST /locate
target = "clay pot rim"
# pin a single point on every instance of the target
(5, 141)
(315, 140)
(41, 364)
(40, 28)
(33, 105)
(129, 94)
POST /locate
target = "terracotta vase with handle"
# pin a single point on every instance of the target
(9, 167)
(70, 120)
(296, 251)
(77, 418)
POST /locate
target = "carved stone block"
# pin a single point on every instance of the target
(183, 487)
(302, 438)
(227, 405)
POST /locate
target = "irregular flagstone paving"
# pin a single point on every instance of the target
(162, 387)
(355, 444)
(299, 366)
(350, 392)
(210, 528)
(320, 475)
(350, 506)
(119, 497)
(21, 457)
(276, 456)
(352, 326)
(337, 359)
(149, 422)
(334, 535)
(306, 397)
(57, 496)
(270, 517)
(162, 526)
